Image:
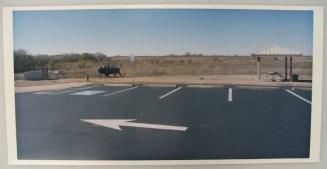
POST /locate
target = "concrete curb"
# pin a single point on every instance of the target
(256, 87)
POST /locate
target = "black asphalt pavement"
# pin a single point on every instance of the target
(256, 123)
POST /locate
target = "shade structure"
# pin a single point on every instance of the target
(276, 51)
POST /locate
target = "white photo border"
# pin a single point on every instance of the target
(317, 86)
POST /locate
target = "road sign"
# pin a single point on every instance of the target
(131, 58)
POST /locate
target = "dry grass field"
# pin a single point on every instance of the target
(182, 70)
(146, 66)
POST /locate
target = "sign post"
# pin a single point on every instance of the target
(132, 59)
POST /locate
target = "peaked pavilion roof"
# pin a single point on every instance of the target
(276, 50)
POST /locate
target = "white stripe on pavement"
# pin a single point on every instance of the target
(121, 91)
(298, 96)
(88, 92)
(68, 91)
(230, 94)
(171, 92)
(54, 92)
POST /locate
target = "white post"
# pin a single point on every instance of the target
(132, 59)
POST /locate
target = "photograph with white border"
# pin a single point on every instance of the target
(163, 84)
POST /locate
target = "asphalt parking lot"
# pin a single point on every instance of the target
(163, 123)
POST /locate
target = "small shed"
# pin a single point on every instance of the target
(277, 51)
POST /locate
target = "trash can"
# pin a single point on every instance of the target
(295, 77)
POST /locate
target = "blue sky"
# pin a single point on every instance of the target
(161, 31)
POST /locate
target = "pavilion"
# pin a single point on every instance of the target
(277, 51)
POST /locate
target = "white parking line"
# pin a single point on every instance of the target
(230, 94)
(121, 91)
(54, 92)
(88, 92)
(298, 96)
(171, 92)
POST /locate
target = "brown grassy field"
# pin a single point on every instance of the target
(197, 70)
(149, 66)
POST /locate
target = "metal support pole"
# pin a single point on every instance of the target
(132, 60)
(258, 67)
(133, 72)
(285, 78)
(291, 68)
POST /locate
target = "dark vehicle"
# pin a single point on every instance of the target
(107, 70)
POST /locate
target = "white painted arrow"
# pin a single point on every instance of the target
(116, 123)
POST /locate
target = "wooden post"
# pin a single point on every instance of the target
(291, 68)
(285, 78)
(258, 67)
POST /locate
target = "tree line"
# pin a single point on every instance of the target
(23, 61)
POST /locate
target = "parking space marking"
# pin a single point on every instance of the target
(88, 92)
(54, 92)
(121, 91)
(171, 92)
(230, 94)
(298, 96)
